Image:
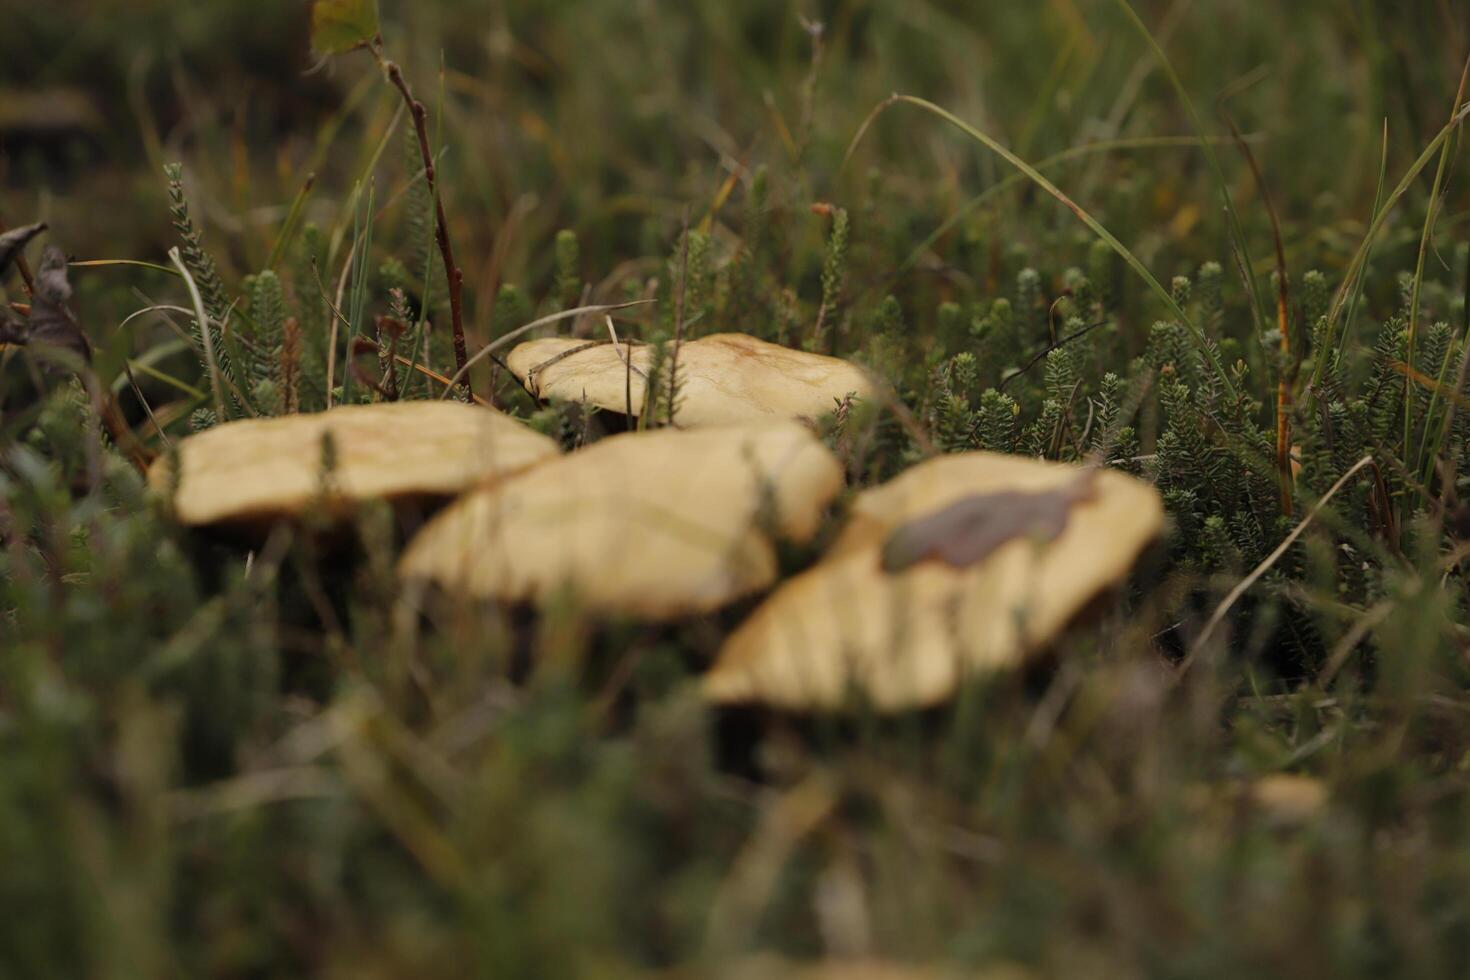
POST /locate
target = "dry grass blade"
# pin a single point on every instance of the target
(1429, 384)
(433, 375)
(510, 335)
(215, 387)
(103, 263)
(1244, 585)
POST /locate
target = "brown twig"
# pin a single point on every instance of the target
(452, 272)
(432, 375)
(1042, 353)
(1286, 375)
(122, 433)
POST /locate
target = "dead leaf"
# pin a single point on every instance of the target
(969, 530)
(52, 322)
(339, 26)
(14, 240)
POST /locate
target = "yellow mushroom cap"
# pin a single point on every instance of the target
(907, 638)
(724, 378)
(273, 467)
(656, 525)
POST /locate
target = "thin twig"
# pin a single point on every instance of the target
(433, 375)
(452, 272)
(1286, 376)
(147, 409)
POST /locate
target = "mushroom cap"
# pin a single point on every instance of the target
(255, 469)
(656, 525)
(724, 378)
(907, 639)
(1288, 798)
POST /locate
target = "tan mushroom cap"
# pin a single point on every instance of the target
(724, 378)
(907, 639)
(272, 467)
(1288, 798)
(656, 525)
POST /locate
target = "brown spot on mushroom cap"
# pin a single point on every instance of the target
(907, 639)
(724, 378)
(655, 524)
(256, 469)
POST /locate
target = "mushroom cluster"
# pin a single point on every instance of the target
(724, 378)
(962, 564)
(262, 469)
(655, 525)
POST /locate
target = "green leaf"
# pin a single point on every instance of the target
(338, 26)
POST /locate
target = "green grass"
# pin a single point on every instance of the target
(217, 761)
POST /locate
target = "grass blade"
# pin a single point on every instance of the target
(216, 389)
(1430, 214)
(1355, 267)
(1237, 233)
(1035, 176)
(1056, 159)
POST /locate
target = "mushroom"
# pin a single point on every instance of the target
(260, 469)
(963, 564)
(1288, 799)
(723, 378)
(656, 525)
